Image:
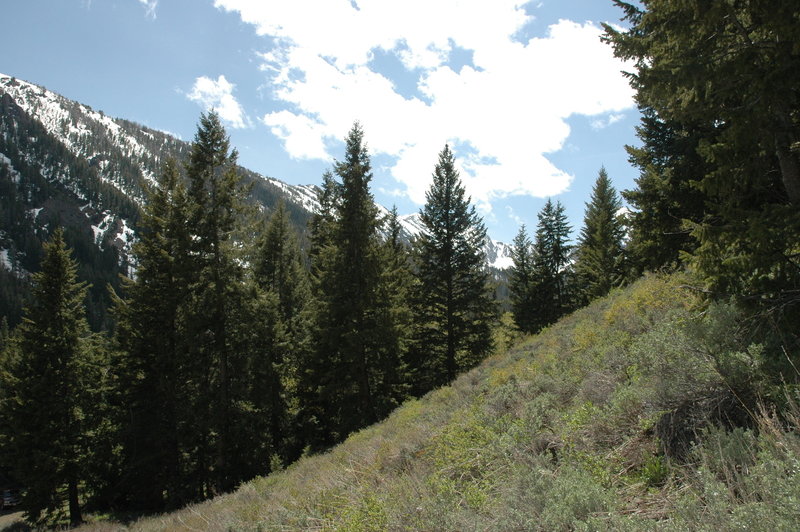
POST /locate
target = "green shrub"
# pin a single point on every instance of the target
(655, 471)
(543, 499)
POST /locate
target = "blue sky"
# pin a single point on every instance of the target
(532, 103)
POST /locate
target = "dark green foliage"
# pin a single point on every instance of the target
(665, 195)
(283, 281)
(453, 302)
(394, 315)
(551, 274)
(353, 377)
(155, 390)
(54, 392)
(312, 373)
(214, 312)
(598, 265)
(199, 342)
(521, 283)
(266, 435)
(279, 267)
(725, 77)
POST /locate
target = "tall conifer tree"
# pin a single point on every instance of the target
(598, 266)
(215, 315)
(394, 316)
(282, 279)
(348, 335)
(551, 273)
(314, 421)
(666, 196)
(726, 79)
(521, 283)
(153, 365)
(54, 393)
(454, 304)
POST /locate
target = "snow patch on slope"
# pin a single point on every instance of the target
(5, 260)
(4, 160)
(34, 213)
(304, 195)
(72, 123)
(110, 229)
(101, 228)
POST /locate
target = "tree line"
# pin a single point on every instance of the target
(235, 352)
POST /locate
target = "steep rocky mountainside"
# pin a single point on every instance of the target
(64, 163)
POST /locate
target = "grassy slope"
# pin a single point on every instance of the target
(560, 432)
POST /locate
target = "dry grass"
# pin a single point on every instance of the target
(557, 433)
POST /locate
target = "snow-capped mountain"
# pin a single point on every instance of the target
(498, 254)
(76, 166)
(106, 143)
(64, 163)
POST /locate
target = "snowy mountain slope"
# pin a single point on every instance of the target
(91, 135)
(101, 162)
(105, 164)
(498, 254)
(63, 164)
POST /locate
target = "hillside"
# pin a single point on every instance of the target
(63, 163)
(619, 417)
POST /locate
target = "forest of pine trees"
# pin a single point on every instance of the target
(234, 351)
(237, 348)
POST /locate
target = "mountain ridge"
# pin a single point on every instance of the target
(128, 157)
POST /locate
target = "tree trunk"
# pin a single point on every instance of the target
(788, 161)
(790, 172)
(75, 517)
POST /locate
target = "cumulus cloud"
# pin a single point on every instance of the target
(513, 215)
(218, 95)
(502, 113)
(602, 123)
(150, 7)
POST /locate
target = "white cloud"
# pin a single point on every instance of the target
(513, 216)
(502, 116)
(150, 7)
(219, 96)
(602, 123)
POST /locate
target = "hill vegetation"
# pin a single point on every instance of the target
(635, 413)
(62, 164)
(670, 404)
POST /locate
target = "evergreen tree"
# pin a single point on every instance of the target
(54, 392)
(666, 196)
(153, 364)
(453, 300)
(322, 223)
(551, 261)
(5, 333)
(280, 267)
(215, 315)
(314, 423)
(598, 265)
(728, 74)
(281, 276)
(348, 366)
(394, 316)
(521, 283)
(264, 442)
